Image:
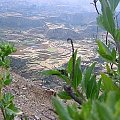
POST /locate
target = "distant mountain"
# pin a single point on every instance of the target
(54, 19)
(20, 23)
(52, 5)
(79, 5)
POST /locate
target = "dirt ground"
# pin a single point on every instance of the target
(33, 100)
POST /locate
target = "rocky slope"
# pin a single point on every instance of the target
(33, 100)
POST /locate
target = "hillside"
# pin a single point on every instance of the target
(33, 100)
(49, 17)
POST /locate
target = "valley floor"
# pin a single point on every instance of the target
(40, 55)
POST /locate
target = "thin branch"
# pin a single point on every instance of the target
(106, 38)
(68, 89)
(73, 57)
(3, 113)
(52, 110)
(95, 5)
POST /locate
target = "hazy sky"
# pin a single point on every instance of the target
(64, 1)
(84, 4)
(74, 2)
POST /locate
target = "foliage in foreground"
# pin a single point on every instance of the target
(95, 98)
(7, 106)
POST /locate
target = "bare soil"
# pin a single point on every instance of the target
(33, 100)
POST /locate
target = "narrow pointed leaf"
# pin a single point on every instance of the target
(55, 72)
(106, 19)
(77, 74)
(113, 4)
(70, 63)
(102, 112)
(61, 110)
(87, 76)
(64, 95)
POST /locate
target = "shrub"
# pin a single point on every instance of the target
(7, 106)
(94, 99)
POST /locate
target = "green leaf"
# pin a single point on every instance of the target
(71, 111)
(101, 112)
(55, 72)
(6, 48)
(93, 88)
(86, 110)
(77, 74)
(112, 99)
(98, 88)
(103, 49)
(8, 97)
(64, 95)
(106, 20)
(117, 35)
(8, 80)
(105, 53)
(63, 71)
(108, 68)
(90, 86)
(50, 72)
(70, 63)
(74, 112)
(108, 83)
(61, 110)
(113, 54)
(103, 96)
(113, 4)
(87, 75)
(12, 110)
(117, 110)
